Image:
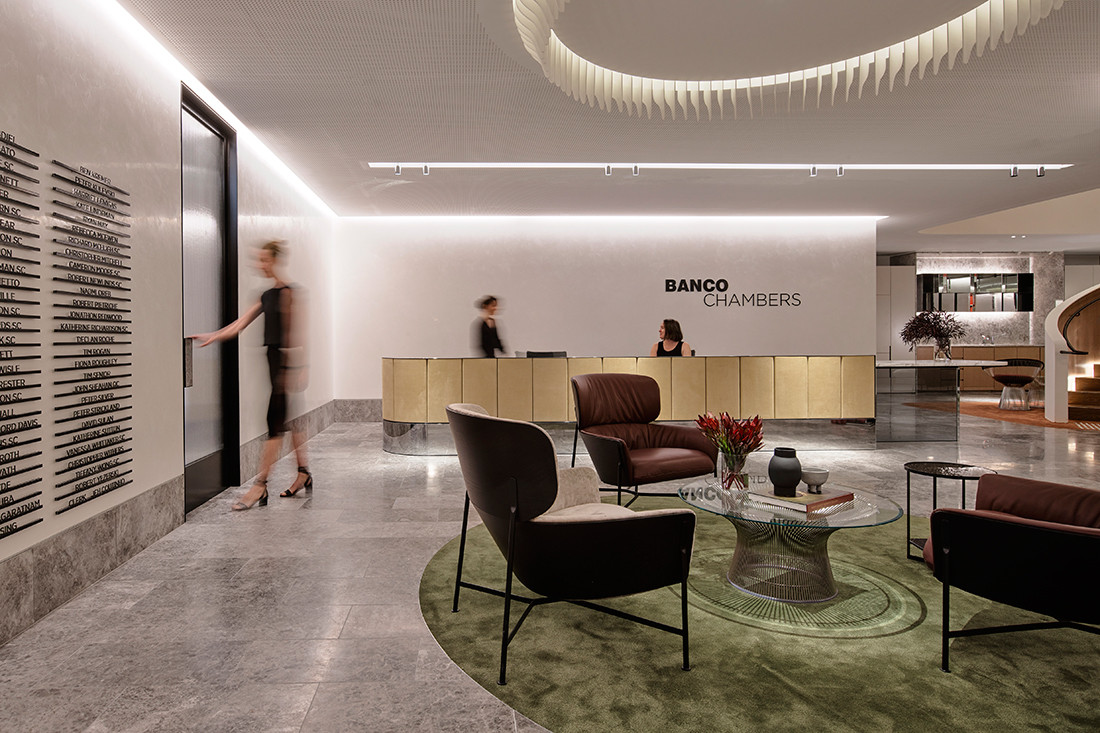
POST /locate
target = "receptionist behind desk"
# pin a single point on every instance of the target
(488, 337)
(672, 340)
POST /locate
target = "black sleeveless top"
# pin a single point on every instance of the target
(678, 351)
(271, 306)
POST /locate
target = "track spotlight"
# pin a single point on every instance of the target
(1041, 171)
(425, 169)
(397, 170)
(839, 171)
(1014, 171)
(607, 171)
(635, 169)
(813, 171)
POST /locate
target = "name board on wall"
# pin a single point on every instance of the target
(89, 308)
(92, 377)
(20, 338)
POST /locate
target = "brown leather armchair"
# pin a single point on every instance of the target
(1030, 544)
(559, 540)
(615, 414)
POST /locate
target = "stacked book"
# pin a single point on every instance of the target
(801, 501)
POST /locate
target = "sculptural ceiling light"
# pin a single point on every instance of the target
(766, 33)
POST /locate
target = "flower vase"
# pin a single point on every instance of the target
(942, 351)
(732, 472)
(734, 483)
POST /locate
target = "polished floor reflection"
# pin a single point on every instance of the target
(304, 615)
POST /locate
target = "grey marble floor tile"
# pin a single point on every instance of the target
(53, 710)
(327, 660)
(152, 662)
(352, 591)
(391, 708)
(194, 707)
(370, 622)
(110, 594)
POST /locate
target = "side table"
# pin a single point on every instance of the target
(961, 472)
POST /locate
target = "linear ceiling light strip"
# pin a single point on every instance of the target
(990, 23)
(426, 166)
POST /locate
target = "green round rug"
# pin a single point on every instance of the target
(871, 665)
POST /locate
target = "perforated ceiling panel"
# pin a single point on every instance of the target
(331, 84)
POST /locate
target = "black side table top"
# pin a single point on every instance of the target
(941, 469)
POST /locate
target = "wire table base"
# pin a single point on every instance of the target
(782, 562)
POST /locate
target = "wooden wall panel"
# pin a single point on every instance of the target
(758, 386)
(620, 365)
(791, 387)
(444, 387)
(689, 388)
(410, 390)
(479, 383)
(551, 392)
(723, 384)
(857, 385)
(387, 389)
(786, 387)
(823, 387)
(514, 389)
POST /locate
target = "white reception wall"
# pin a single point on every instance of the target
(406, 287)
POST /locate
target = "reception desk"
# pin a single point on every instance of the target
(417, 391)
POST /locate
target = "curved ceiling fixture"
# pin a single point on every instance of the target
(989, 23)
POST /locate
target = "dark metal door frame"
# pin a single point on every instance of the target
(230, 470)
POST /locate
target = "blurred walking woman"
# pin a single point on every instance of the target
(284, 339)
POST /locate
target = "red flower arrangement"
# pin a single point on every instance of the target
(735, 440)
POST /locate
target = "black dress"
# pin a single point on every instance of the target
(678, 351)
(490, 339)
(275, 341)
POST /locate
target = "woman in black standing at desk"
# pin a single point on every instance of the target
(489, 338)
(672, 340)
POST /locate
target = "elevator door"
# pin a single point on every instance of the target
(204, 273)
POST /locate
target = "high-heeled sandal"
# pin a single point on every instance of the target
(307, 484)
(240, 506)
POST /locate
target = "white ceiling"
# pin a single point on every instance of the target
(329, 85)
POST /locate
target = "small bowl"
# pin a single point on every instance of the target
(814, 478)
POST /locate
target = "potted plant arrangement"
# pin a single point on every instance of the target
(735, 440)
(935, 326)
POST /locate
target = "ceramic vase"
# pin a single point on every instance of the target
(785, 471)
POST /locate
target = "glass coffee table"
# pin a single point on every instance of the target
(782, 554)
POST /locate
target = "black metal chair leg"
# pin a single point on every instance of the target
(576, 432)
(684, 621)
(507, 598)
(908, 515)
(945, 638)
(461, 552)
(619, 484)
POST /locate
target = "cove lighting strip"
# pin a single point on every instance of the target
(1010, 168)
